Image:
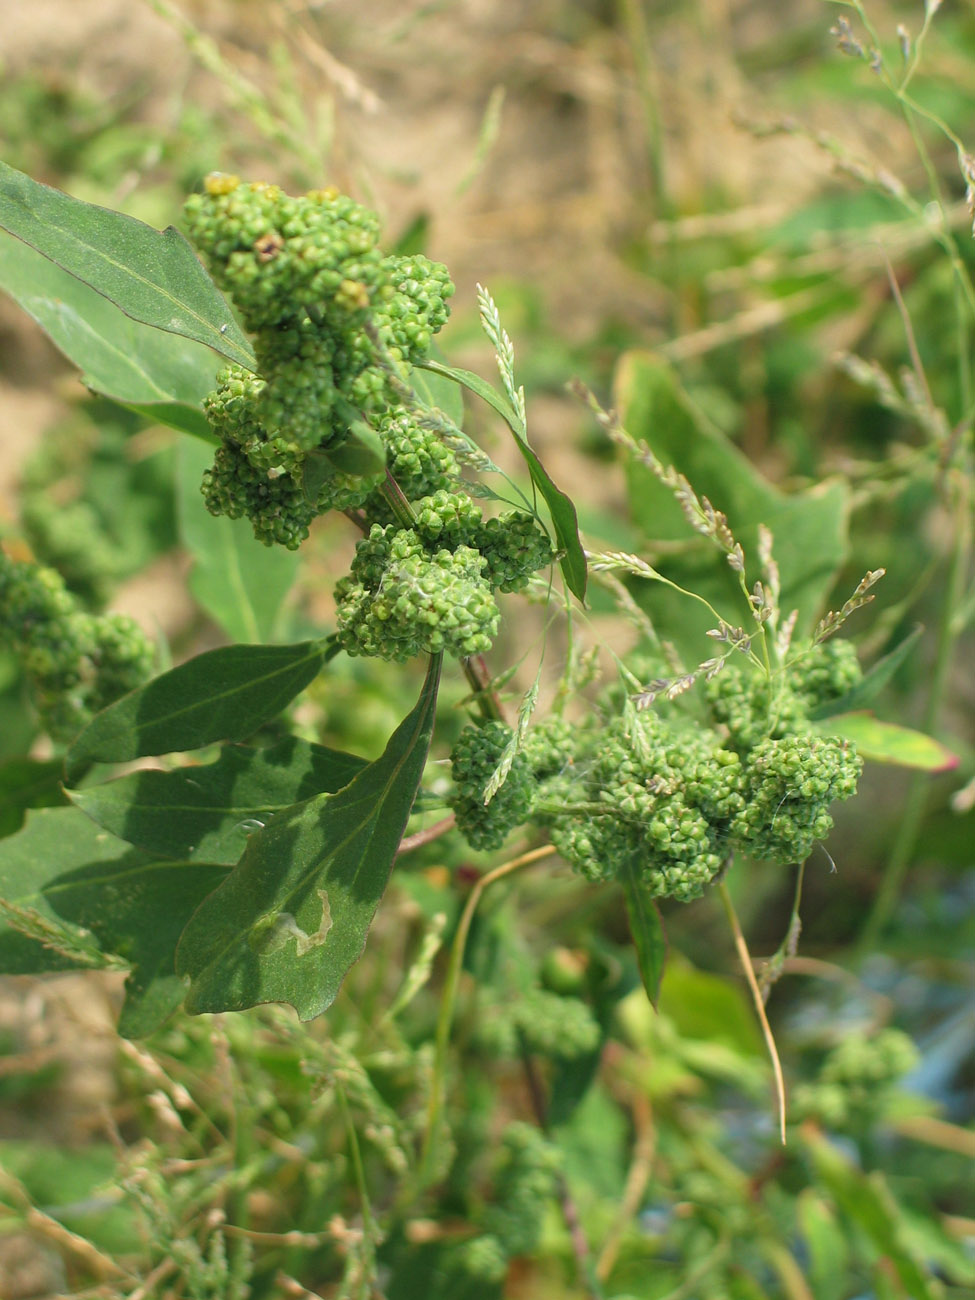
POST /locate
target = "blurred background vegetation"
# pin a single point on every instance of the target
(772, 207)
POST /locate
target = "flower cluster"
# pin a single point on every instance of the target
(753, 707)
(312, 285)
(431, 587)
(545, 1023)
(404, 598)
(333, 319)
(524, 1186)
(789, 786)
(75, 663)
(474, 760)
(666, 804)
(649, 802)
(857, 1080)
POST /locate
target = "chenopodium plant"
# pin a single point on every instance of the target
(253, 876)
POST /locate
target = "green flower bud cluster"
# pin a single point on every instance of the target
(648, 800)
(278, 256)
(668, 804)
(76, 663)
(412, 305)
(274, 503)
(789, 785)
(404, 598)
(417, 460)
(70, 537)
(754, 708)
(431, 587)
(857, 1079)
(547, 1023)
(751, 707)
(483, 1257)
(524, 1187)
(827, 671)
(474, 760)
(550, 748)
(310, 282)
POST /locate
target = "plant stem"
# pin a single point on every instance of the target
(746, 962)
(410, 842)
(448, 1001)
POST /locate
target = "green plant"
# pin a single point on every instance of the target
(250, 870)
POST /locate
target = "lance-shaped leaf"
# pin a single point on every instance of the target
(292, 918)
(163, 376)
(563, 512)
(88, 892)
(208, 813)
(152, 275)
(888, 742)
(240, 582)
(647, 930)
(224, 694)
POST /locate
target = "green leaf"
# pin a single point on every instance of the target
(712, 1009)
(439, 392)
(224, 694)
(563, 512)
(64, 870)
(476, 385)
(866, 1200)
(647, 930)
(829, 1252)
(27, 783)
(293, 917)
(240, 582)
(873, 682)
(152, 275)
(809, 528)
(887, 742)
(207, 813)
(70, 1183)
(163, 376)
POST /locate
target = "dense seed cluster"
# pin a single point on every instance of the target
(545, 1023)
(751, 707)
(667, 804)
(857, 1079)
(403, 598)
(789, 786)
(415, 457)
(473, 760)
(827, 671)
(310, 282)
(431, 587)
(75, 662)
(523, 1189)
(651, 803)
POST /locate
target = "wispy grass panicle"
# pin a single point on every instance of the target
(835, 619)
(504, 351)
(510, 751)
